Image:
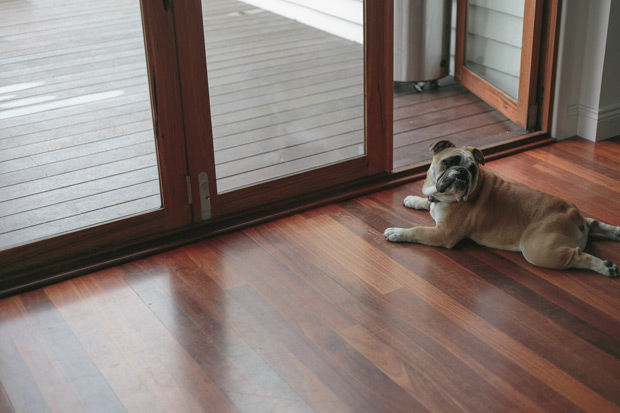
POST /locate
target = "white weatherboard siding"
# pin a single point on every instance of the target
(493, 46)
(495, 37)
(496, 25)
(513, 7)
(344, 18)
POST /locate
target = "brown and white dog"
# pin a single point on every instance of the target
(468, 202)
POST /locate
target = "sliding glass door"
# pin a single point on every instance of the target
(218, 108)
(298, 94)
(92, 147)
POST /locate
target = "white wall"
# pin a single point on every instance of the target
(609, 113)
(587, 96)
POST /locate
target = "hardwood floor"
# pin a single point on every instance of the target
(318, 312)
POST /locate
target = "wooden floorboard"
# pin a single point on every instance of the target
(318, 312)
(74, 105)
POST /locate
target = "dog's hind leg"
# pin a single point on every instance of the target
(584, 260)
(565, 250)
(563, 257)
(602, 228)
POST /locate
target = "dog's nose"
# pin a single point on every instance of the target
(460, 172)
(457, 176)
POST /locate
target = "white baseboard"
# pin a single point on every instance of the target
(592, 124)
(609, 122)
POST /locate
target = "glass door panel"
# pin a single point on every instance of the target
(493, 42)
(77, 144)
(497, 54)
(94, 151)
(286, 96)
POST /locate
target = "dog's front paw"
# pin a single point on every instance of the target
(416, 202)
(612, 269)
(395, 234)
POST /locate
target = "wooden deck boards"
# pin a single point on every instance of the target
(448, 112)
(75, 123)
(76, 141)
(283, 113)
(318, 312)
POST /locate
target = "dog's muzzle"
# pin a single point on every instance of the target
(455, 179)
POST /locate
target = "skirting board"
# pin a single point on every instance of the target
(595, 125)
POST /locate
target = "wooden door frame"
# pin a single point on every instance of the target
(46, 260)
(378, 38)
(68, 255)
(522, 110)
(548, 62)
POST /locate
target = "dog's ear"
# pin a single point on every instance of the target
(440, 146)
(478, 155)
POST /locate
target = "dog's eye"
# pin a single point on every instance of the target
(452, 161)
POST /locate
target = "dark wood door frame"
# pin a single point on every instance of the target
(547, 64)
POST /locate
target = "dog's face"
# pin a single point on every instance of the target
(453, 174)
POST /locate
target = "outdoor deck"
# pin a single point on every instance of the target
(76, 139)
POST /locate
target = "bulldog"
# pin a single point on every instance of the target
(468, 202)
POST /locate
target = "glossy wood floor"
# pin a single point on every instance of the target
(317, 312)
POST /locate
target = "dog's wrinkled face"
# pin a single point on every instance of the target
(453, 174)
